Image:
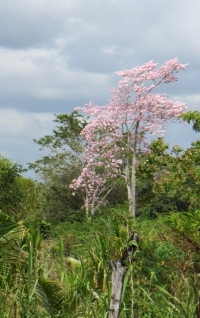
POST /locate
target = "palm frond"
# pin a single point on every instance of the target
(53, 296)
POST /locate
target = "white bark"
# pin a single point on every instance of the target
(117, 278)
(130, 178)
(119, 269)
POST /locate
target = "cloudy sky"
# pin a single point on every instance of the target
(59, 54)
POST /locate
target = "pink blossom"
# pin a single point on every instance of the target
(117, 130)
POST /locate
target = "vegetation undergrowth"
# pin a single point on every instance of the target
(67, 274)
(56, 250)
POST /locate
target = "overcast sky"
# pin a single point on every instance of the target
(59, 54)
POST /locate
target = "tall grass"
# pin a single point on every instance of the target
(68, 274)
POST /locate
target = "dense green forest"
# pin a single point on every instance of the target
(55, 260)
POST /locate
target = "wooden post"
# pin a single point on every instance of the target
(119, 269)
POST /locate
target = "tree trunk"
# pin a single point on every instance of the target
(131, 185)
(119, 269)
(86, 203)
(117, 278)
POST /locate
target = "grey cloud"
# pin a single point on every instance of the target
(25, 24)
(39, 79)
(92, 57)
(57, 55)
(36, 34)
(23, 33)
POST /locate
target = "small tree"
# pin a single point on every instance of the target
(63, 162)
(117, 131)
(12, 194)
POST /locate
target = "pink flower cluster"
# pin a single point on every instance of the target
(117, 129)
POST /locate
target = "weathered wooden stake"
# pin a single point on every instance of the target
(119, 269)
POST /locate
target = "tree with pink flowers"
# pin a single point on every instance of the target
(118, 130)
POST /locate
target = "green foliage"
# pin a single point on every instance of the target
(63, 163)
(18, 196)
(11, 193)
(168, 181)
(53, 296)
(64, 271)
(163, 274)
(182, 182)
(66, 134)
(194, 117)
(18, 269)
(151, 168)
(185, 228)
(68, 275)
(163, 280)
